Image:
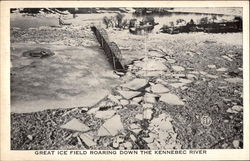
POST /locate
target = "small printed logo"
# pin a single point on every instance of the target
(206, 120)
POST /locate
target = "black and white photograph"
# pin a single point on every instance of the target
(126, 78)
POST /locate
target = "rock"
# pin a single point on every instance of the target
(128, 145)
(118, 97)
(148, 114)
(184, 88)
(162, 135)
(162, 123)
(128, 94)
(75, 134)
(222, 87)
(183, 82)
(152, 65)
(36, 84)
(94, 97)
(88, 139)
(148, 140)
(211, 66)
(111, 126)
(133, 103)
(102, 104)
(158, 80)
(191, 76)
(137, 99)
(119, 73)
(84, 109)
(147, 89)
(79, 141)
(231, 55)
(190, 68)
(105, 114)
(153, 146)
(30, 137)
(234, 103)
(221, 69)
(202, 72)
(211, 76)
(93, 110)
(226, 99)
(136, 131)
(178, 68)
(227, 58)
(159, 88)
(189, 53)
(234, 80)
(149, 98)
(139, 116)
(151, 83)
(118, 107)
(69, 136)
(186, 81)
(128, 76)
(147, 105)
(237, 108)
(136, 84)
(165, 116)
(231, 111)
(132, 137)
(124, 102)
(171, 99)
(113, 99)
(177, 85)
(119, 139)
(171, 61)
(179, 75)
(75, 125)
(194, 72)
(224, 146)
(115, 144)
(135, 128)
(145, 73)
(121, 147)
(110, 104)
(236, 144)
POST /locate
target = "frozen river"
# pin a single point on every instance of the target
(73, 77)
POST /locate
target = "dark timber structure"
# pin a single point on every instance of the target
(110, 49)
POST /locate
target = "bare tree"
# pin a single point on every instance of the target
(204, 20)
(214, 17)
(106, 21)
(119, 18)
